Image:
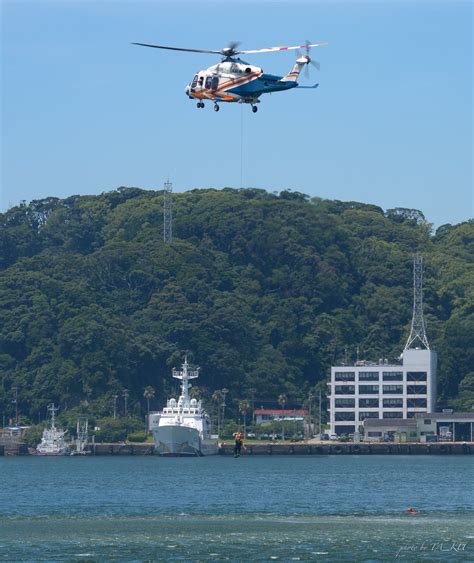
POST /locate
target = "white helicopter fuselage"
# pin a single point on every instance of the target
(236, 81)
(225, 82)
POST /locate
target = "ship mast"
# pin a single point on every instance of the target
(185, 374)
(53, 410)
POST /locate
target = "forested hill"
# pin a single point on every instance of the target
(262, 291)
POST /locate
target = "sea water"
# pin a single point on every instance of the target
(308, 508)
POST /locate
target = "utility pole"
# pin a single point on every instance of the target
(310, 415)
(115, 397)
(252, 398)
(168, 212)
(224, 394)
(319, 421)
(125, 401)
(15, 400)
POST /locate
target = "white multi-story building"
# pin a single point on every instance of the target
(391, 391)
(367, 390)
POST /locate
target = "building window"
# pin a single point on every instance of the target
(344, 403)
(374, 434)
(427, 421)
(416, 389)
(369, 403)
(416, 403)
(340, 416)
(416, 375)
(368, 376)
(393, 403)
(368, 389)
(411, 414)
(393, 414)
(392, 376)
(344, 376)
(392, 389)
(344, 390)
(368, 414)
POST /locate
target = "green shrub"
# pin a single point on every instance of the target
(117, 429)
(32, 435)
(136, 437)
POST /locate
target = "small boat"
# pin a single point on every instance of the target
(183, 428)
(53, 442)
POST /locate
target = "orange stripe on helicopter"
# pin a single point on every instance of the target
(207, 95)
(239, 81)
(219, 92)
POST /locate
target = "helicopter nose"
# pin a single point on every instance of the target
(187, 90)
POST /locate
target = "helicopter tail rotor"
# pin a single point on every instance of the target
(309, 60)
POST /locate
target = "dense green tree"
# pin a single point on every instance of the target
(262, 291)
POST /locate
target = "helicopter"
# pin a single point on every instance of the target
(234, 80)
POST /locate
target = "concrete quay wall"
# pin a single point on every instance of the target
(354, 449)
(451, 448)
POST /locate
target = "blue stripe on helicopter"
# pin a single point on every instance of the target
(262, 85)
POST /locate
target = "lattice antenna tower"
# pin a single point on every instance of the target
(167, 212)
(418, 330)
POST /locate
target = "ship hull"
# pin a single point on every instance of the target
(182, 441)
(52, 453)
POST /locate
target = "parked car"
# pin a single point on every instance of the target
(333, 437)
(324, 437)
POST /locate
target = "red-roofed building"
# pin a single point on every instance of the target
(263, 416)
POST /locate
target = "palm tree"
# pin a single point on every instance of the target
(148, 393)
(195, 393)
(244, 408)
(282, 401)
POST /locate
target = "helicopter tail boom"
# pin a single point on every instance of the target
(294, 73)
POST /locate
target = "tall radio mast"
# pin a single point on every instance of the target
(168, 213)
(418, 330)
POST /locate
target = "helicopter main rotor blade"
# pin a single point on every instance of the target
(275, 49)
(178, 48)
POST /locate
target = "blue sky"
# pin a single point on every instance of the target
(83, 111)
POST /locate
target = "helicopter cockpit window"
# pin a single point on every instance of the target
(194, 82)
(201, 80)
(208, 82)
(214, 82)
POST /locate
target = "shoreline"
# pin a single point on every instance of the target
(268, 449)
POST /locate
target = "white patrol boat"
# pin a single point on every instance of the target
(183, 428)
(52, 442)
